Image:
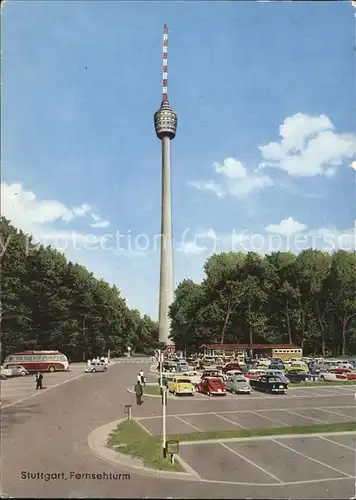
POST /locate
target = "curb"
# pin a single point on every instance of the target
(97, 444)
(327, 384)
(265, 438)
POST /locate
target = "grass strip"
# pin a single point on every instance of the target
(295, 385)
(131, 439)
(275, 431)
(152, 390)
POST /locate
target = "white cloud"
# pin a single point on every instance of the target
(41, 218)
(289, 235)
(100, 224)
(84, 209)
(208, 186)
(309, 147)
(236, 180)
(286, 227)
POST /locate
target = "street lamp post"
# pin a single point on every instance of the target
(164, 421)
(160, 358)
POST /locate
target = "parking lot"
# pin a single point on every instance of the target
(217, 420)
(267, 461)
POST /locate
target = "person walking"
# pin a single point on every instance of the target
(139, 393)
(39, 378)
(142, 378)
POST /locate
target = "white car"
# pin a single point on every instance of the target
(194, 377)
(5, 373)
(332, 376)
(95, 367)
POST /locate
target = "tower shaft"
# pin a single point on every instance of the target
(165, 121)
(166, 268)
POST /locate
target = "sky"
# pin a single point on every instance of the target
(265, 96)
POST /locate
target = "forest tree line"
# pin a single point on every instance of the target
(49, 303)
(307, 300)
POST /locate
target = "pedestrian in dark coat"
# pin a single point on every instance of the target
(139, 393)
(39, 378)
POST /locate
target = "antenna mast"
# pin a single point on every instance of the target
(165, 65)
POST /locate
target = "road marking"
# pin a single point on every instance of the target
(252, 463)
(144, 428)
(246, 411)
(338, 444)
(337, 413)
(304, 416)
(269, 418)
(310, 458)
(187, 423)
(228, 420)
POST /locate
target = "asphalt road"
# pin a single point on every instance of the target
(48, 434)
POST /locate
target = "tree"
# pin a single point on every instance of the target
(49, 303)
(308, 300)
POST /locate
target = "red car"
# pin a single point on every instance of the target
(344, 373)
(212, 386)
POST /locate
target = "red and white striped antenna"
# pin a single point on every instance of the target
(165, 65)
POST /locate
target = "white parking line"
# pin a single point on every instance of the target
(226, 412)
(274, 420)
(337, 443)
(252, 463)
(144, 428)
(304, 416)
(336, 413)
(309, 458)
(231, 422)
(188, 423)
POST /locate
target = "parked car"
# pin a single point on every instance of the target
(212, 386)
(180, 385)
(269, 383)
(95, 367)
(233, 372)
(5, 373)
(231, 366)
(255, 373)
(212, 373)
(296, 376)
(238, 384)
(296, 365)
(182, 366)
(17, 370)
(337, 375)
(264, 362)
(278, 373)
(194, 377)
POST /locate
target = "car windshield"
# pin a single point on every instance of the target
(239, 379)
(183, 381)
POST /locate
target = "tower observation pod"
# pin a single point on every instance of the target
(165, 121)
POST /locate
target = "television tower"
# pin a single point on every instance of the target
(165, 121)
